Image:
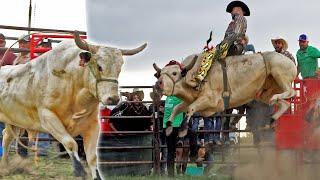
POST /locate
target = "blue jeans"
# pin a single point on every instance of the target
(2, 126)
(212, 123)
(217, 126)
(195, 122)
(43, 145)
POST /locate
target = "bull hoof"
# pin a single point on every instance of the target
(169, 130)
(183, 133)
(78, 168)
(98, 175)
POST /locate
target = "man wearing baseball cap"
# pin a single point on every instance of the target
(280, 45)
(307, 57)
(23, 57)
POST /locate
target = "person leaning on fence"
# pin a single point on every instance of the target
(10, 57)
(23, 57)
(307, 58)
(135, 108)
(172, 139)
(281, 46)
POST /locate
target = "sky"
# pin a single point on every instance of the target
(175, 29)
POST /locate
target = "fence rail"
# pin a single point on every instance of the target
(21, 28)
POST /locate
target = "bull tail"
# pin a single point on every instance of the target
(9, 128)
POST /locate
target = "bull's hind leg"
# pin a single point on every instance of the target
(6, 141)
(51, 123)
(283, 106)
(284, 83)
(8, 137)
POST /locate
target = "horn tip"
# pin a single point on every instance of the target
(144, 45)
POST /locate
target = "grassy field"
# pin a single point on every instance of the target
(57, 168)
(61, 169)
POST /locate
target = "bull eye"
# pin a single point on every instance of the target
(174, 73)
(99, 68)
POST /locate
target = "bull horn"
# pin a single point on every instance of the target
(156, 67)
(129, 52)
(80, 43)
(191, 64)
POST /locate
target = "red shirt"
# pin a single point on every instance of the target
(105, 122)
(8, 59)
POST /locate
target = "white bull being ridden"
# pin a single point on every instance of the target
(263, 76)
(53, 94)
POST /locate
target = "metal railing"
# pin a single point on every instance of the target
(156, 147)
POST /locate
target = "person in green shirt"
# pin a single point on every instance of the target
(172, 139)
(170, 103)
(307, 57)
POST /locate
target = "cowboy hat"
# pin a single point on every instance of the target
(138, 92)
(244, 7)
(284, 42)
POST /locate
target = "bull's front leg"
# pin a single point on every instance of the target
(200, 104)
(182, 107)
(90, 139)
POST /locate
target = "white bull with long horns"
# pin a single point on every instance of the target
(263, 76)
(53, 94)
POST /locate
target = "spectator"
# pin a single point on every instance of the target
(203, 142)
(280, 45)
(172, 139)
(23, 57)
(230, 122)
(135, 108)
(213, 124)
(307, 57)
(10, 57)
(247, 47)
(45, 43)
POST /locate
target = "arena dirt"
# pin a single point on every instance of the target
(268, 164)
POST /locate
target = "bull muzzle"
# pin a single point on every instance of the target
(159, 86)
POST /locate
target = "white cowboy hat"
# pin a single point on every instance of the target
(138, 92)
(284, 42)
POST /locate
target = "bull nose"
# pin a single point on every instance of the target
(115, 99)
(159, 84)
